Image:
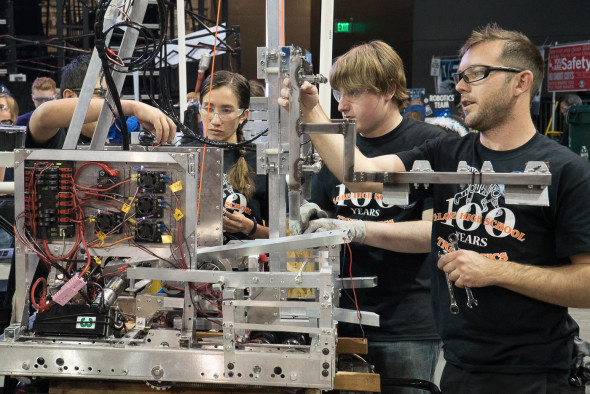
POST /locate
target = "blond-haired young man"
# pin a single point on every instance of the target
(369, 84)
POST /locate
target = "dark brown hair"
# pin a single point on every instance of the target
(239, 175)
(518, 51)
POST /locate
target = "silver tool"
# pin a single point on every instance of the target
(454, 308)
(471, 301)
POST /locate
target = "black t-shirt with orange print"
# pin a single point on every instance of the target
(508, 332)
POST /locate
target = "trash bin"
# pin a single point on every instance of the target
(578, 118)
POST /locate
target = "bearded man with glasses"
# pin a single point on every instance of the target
(525, 264)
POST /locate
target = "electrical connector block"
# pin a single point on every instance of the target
(69, 290)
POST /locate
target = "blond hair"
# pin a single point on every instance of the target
(375, 67)
(518, 51)
(12, 107)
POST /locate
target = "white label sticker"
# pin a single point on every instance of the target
(86, 322)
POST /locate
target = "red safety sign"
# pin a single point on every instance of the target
(569, 68)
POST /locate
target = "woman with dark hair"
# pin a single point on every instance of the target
(224, 111)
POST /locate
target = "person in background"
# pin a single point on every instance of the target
(369, 85)
(526, 264)
(8, 109)
(566, 102)
(8, 116)
(72, 79)
(224, 110)
(256, 88)
(49, 123)
(43, 89)
(415, 110)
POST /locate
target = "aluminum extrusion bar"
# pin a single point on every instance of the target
(110, 156)
(297, 242)
(99, 362)
(534, 179)
(336, 127)
(275, 327)
(359, 282)
(350, 316)
(125, 51)
(230, 278)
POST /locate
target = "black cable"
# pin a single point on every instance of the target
(149, 52)
(38, 250)
(101, 294)
(6, 226)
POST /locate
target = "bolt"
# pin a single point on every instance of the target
(326, 365)
(325, 373)
(293, 375)
(326, 296)
(230, 366)
(216, 375)
(26, 366)
(325, 351)
(255, 279)
(124, 372)
(157, 372)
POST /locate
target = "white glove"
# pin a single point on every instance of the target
(356, 228)
(307, 211)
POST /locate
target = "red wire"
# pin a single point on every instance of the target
(101, 190)
(104, 166)
(103, 195)
(43, 306)
(101, 202)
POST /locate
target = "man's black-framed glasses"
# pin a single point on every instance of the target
(478, 72)
(98, 92)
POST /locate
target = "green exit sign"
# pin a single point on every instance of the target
(343, 27)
